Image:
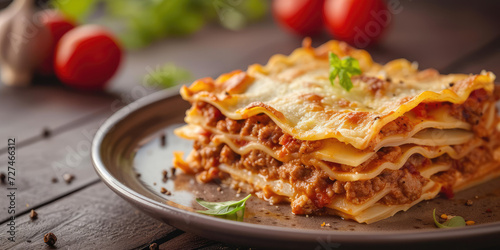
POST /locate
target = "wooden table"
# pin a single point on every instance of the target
(53, 126)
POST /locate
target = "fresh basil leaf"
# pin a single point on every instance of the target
(343, 69)
(345, 80)
(352, 65)
(225, 208)
(334, 60)
(222, 210)
(457, 221)
(216, 205)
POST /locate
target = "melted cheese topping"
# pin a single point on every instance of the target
(296, 93)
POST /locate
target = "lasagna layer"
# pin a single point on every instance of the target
(398, 137)
(429, 127)
(390, 158)
(311, 189)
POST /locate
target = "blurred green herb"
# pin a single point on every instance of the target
(139, 23)
(456, 221)
(233, 210)
(75, 9)
(166, 76)
(343, 69)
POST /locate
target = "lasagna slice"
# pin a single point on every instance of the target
(398, 137)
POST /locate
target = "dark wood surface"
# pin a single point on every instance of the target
(85, 214)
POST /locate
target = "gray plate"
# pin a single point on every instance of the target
(129, 143)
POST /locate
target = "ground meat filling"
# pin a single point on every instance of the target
(261, 127)
(472, 112)
(465, 167)
(308, 181)
(313, 189)
(405, 186)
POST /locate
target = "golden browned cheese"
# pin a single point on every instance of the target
(296, 93)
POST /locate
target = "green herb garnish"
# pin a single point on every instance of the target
(139, 23)
(233, 210)
(456, 221)
(344, 69)
(166, 76)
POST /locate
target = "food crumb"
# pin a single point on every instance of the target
(470, 222)
(50, 239)
(153, 246)
(219, 189)
(165, 191)
(163, 140)
(138, 175)
(164, 173)
(238, 191)
(307, 216)
(328, 225)
(2, 177)
(68, 178)
(172, 171)
(33, 215)
(54, 180)
(154, 183)
(323, 224)
(477, 197)
(46, 133)
(27, 205)
(469, 203)
(444, 216)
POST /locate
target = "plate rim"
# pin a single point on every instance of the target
(257, 231)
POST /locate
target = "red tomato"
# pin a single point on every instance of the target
(58, 25)
(357, 22)
(302, 17)
(87, 57)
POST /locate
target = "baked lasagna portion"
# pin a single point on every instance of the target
(398, 137)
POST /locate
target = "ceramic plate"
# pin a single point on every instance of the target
(129, 154)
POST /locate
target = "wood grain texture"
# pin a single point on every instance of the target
(94, 218)
(38, 163)
(486, 59)
(436, 34)
(25, 112)
(87, 215)
(187, 239)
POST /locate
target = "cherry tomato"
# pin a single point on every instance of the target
(302, 17)
(87, 57)
(357, 22)
(58, 25)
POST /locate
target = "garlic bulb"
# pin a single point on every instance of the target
(24, 42)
